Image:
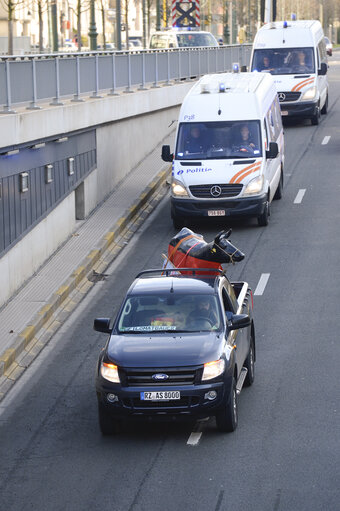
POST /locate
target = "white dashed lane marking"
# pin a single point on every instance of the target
(325, 140)
(299, 196)
(262, 284)
(194, 438)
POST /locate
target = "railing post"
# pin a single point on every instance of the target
(142, 87)
(113, 90)
(95, 93)
(8, 107)
(199, 62)
(56, 101)
(128, 87)
(33, 105)
(168, 69)
(76, 96)
(155, 85)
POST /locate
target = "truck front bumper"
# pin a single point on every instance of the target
(304, 110)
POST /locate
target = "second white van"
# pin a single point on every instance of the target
(295, 54)
(229, 154)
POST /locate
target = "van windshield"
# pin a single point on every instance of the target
(219, 140)
(284, 61)
(189, 40)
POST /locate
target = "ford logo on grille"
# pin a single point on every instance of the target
(215, 191)
(160, 376)
(282, 96)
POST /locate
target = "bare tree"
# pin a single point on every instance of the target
(42, 6)
(10, 6)
(82, 6)
(102, 11)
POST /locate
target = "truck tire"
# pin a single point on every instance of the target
(262, 220)
(107, 424)
(226, 417)
(250, 364)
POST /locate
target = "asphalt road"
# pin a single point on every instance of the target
(284, 456)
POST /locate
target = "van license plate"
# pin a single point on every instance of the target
(284, 112)
(167, 395)
(216, 212)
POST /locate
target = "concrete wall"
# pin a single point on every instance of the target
(25, 258)
(128, 127)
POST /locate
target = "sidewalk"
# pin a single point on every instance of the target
(33, 315)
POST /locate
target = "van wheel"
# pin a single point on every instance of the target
(316, 118)
(324, 109)
(227, 417)
(279, 189)
(262, 220)
(178, 222)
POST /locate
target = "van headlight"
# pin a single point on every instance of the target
(109, 372)
(213, 369)
(254, 186)
(178, 190)
(309, 94)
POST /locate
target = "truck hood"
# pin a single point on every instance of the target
(219, 171)
(165, 350)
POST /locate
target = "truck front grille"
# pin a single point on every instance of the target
(146, 377)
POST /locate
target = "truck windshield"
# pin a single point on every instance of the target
(218, 140)
(168, 313)
(284, 61)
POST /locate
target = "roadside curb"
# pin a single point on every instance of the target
(28, 338)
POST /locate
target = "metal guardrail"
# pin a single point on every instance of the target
(26, 81)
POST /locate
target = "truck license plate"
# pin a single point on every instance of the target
(216, 212)
(167, 395)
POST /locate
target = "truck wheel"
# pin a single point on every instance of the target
(107, 424)
(250, 364)
(226, 418)
(279, 189)
(324, 109)
(315, 120)
(262, 220)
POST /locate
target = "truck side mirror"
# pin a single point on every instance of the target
(323, 69)
(166, 155)
(273, 150)
(239, 321)
(102, 325)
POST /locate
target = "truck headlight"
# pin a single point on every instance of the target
(254, 186)
(213, 369)
(309, 94)
(109, 372)
(178, 190)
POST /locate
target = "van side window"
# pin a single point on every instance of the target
(270, 126)
(322, 52)
(266, 141)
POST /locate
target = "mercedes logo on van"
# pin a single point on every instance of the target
(282, 96)
(215, 191)
(160, 376)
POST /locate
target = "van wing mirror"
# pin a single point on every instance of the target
(323, 69)
(166, 155)
(273, 150)
(244, 69)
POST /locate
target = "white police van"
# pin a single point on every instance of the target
(295, 54)
(229, 153)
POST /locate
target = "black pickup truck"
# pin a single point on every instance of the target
(181, 346)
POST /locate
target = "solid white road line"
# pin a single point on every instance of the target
(194, 438)
(299, 196)
(325, 140)
(262, 284)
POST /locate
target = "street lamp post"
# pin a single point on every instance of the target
(92, 28)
